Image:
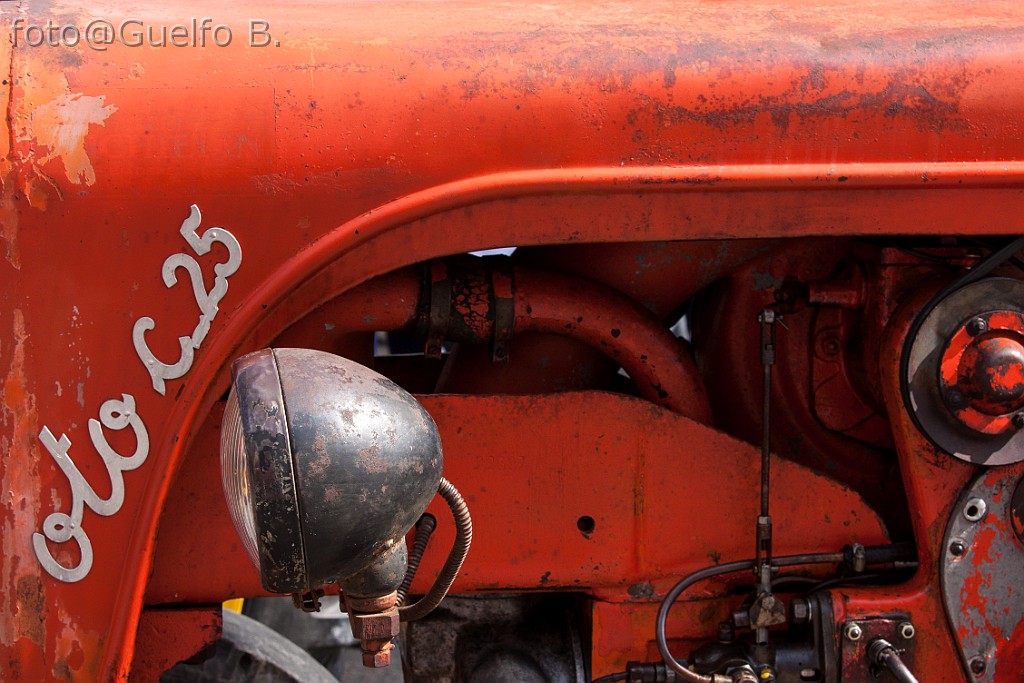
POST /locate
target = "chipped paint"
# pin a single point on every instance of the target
(19, 499)
(62, 124)
(46, 122)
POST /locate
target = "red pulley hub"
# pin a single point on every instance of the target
(981, 373)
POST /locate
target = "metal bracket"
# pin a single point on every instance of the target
(982, 570)
(856, 639)
(440, 309)
(503, 289)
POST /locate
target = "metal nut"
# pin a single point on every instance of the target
(853, 631)
(907, 630)
(382, 626)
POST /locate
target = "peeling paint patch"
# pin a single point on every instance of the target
(62, 124)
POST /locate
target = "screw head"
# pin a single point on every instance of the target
(955, 399)
(853, 631)
(978, 666)
(957, 548)
(977, 326)
(907, 630)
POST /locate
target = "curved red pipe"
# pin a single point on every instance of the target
(658, 363)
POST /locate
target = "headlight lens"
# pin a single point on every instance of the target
(234, 470)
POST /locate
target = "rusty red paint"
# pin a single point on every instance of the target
(541, 546)
(170, 635)
(419, 133)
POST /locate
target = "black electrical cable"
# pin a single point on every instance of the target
(925, 255)
(610, 678)
(710, 572)
(844, 580)
(463, 538)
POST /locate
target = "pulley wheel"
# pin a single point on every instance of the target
(965, 376)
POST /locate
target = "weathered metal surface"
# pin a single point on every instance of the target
(535, 124)
(855, 664)
(267, 473)
(982, 571)
(367, 460)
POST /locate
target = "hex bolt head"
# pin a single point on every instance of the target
(907, 630)
(801, 611)
(957, 548)
(853, 631)
(954, 399)
(977, 326)
(978, 665)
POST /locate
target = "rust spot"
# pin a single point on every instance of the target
(370, 457)
(32, 603)
(19, 499)
(641, 591)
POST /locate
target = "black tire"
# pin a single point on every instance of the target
(248, 652)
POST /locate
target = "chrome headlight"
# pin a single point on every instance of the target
(326, 465)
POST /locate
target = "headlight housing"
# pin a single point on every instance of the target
(326, 465)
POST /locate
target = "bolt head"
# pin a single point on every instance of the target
(853, 632)
(957, 548)
(955, 399)
(978, 666)
(801, 611)
(907, 630)
(977, 326)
